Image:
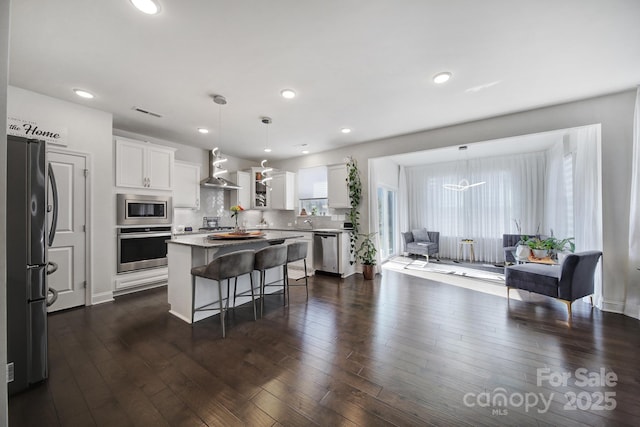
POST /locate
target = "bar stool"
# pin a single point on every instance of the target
(270, 257)
(223, 267)
(295, 252)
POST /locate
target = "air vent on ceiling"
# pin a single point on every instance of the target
(143, 111)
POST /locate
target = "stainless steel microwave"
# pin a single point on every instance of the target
(134, 209)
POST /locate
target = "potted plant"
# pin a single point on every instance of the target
(354, 185)
(366, 254)
(562, 247)
(522, 248)
(540, 248)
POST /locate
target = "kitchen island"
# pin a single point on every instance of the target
(185, 252)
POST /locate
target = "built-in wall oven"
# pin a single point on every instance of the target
(142, 247)
(143, 230)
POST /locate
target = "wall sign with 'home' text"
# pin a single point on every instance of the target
(33, 130)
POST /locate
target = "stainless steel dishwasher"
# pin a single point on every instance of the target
(325, 251)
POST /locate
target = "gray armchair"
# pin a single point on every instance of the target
(571, 280)
(422, 242)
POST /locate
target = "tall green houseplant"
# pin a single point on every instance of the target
(355, 196)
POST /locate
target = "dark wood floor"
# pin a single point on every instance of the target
(395, 351)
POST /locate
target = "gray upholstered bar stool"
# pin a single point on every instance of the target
(295, 252)
(223, 267)
(265, 259)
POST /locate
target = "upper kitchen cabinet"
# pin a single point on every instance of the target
(260, 196)
(283, 191)
(186, 192)
(337, 188)
(241, 196)
(144, 165)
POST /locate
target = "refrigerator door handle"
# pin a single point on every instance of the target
(54, 267)
(54, 297)
(54, 219)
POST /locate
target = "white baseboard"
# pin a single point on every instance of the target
(613, 306)
(632, 311)
(102, 297)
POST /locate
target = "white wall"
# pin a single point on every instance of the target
(387, 172)
(4, 74)
(89, 131)
(614, 112)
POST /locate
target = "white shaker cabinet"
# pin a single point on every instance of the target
(186, 192)
(241, 196)
(143, 165)
(283, 191)
(337, 189)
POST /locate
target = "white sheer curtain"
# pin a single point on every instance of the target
(634, 209)
(403, 208)
(374, 220)
(588, 196)
(558, 215)
(514, 189)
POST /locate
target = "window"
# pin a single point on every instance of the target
(387, 217)
(312, 190)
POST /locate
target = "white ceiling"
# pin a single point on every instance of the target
(362, 64)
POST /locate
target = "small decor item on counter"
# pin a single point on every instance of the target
(235, 211)
(303, 212)
(314, 211)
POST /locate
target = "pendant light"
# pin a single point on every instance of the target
(463, 184)
(216, 160)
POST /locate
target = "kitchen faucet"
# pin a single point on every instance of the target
(308, 221)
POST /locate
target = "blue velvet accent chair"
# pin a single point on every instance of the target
(422, 242)
(567, 282)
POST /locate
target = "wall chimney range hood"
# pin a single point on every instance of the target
(213, 181)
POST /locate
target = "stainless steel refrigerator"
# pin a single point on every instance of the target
(28, 176)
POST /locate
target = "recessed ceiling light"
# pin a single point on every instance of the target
(305, 151)
(83, 93)
(441, 77)
(203, 130)
(267, 150)
(345, 130)
(150, 7)
(288, 93)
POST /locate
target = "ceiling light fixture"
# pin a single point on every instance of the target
(150, 7)
(305, 151)
(267, 121)
(217, 160)
(441, 77)
(265, 172)
(83, 94)
(463, 184)
(288, 93)
(203, 131)
(345, 130)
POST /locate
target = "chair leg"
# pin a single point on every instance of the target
(568, 304)
(193, 299)
(591, 299)
(261, 293)
(253, 299)
(285, 271)
(508, 289)
(306, 278)
(235, 287)
(221, 308)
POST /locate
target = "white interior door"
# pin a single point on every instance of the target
(69, 245)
